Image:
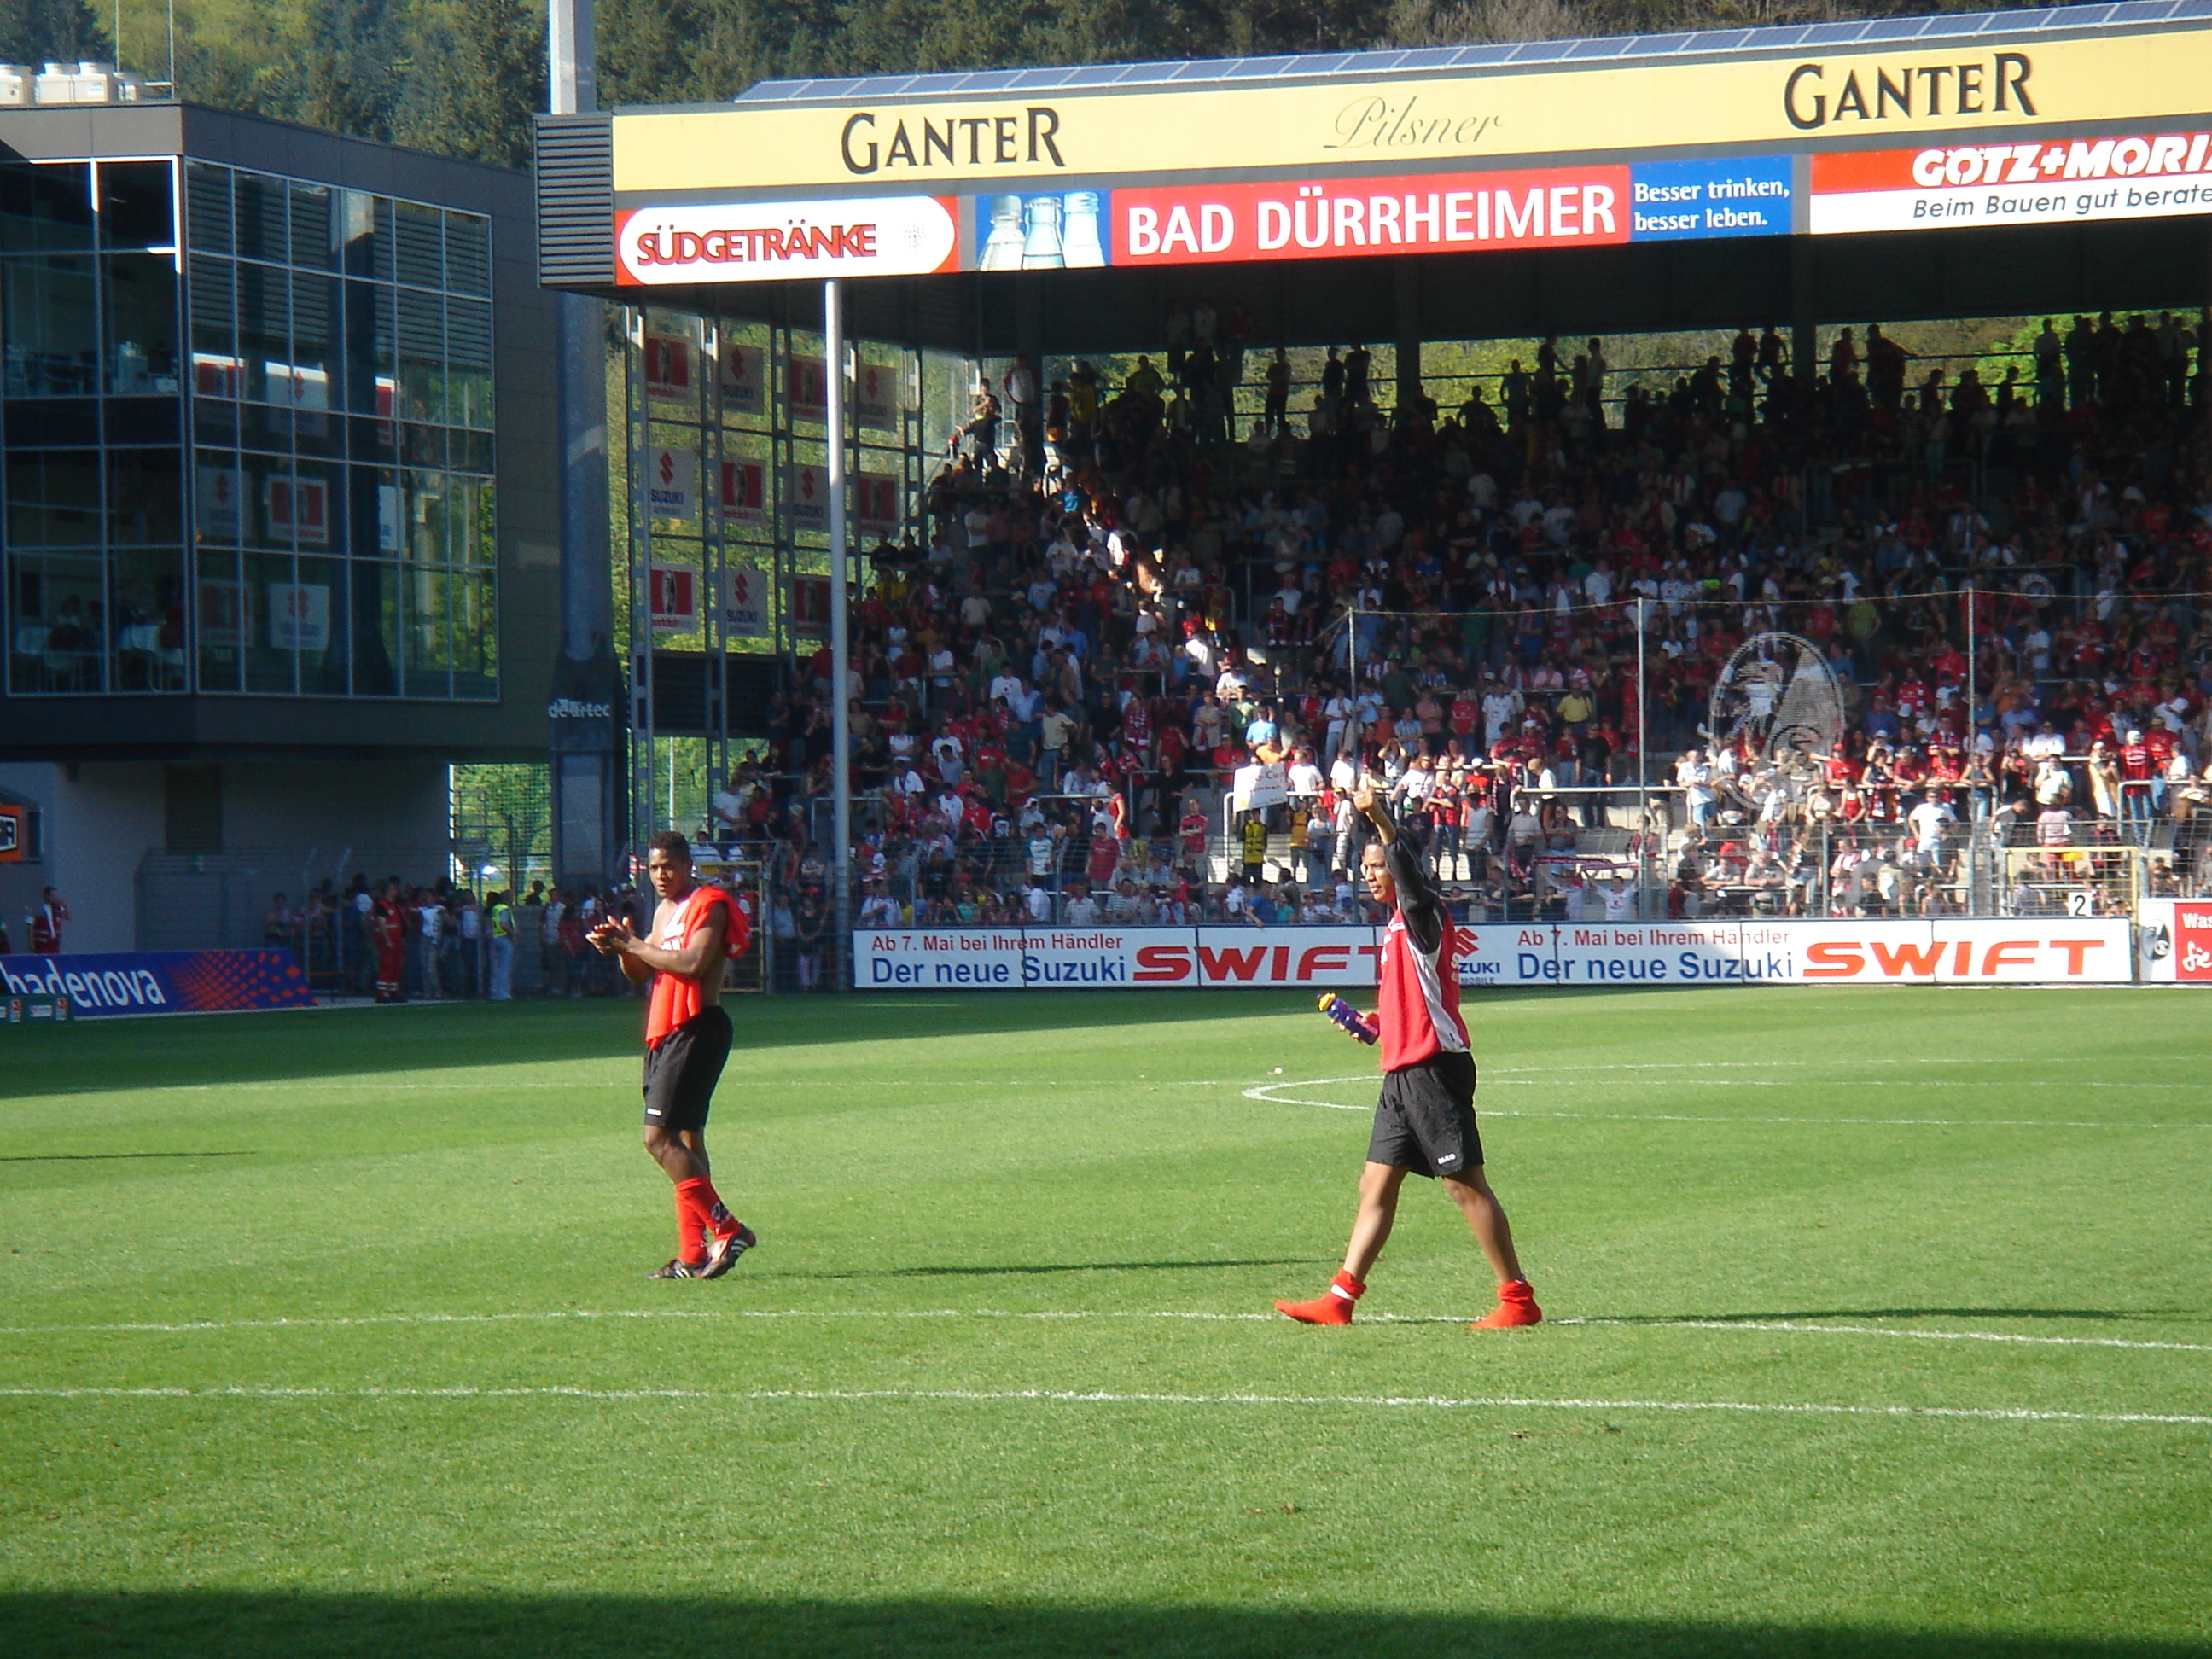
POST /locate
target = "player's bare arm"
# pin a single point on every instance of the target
(640, 961)
(1375, 809)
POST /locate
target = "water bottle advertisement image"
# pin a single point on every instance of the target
(1054, 232)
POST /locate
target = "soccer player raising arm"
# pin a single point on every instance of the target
(695, 929)
(1424, 1121)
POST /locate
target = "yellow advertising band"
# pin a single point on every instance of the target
(960, 144)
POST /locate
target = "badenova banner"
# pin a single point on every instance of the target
(2028, 951)
(161, 981)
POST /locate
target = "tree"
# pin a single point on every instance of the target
(37, 32)
(478, 71)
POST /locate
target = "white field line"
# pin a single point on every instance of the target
(1265, 1093)
(1089, 1397)
(555, 1315)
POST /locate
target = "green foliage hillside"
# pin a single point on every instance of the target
(461, 76)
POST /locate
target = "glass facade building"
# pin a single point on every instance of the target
(249, 435)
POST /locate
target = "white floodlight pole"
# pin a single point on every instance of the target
(1643, 756)
(840, 722)
(570, 57)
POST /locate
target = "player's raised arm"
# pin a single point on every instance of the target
(1416, 896)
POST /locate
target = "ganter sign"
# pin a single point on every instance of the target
(2074, 115)
(1368, 116)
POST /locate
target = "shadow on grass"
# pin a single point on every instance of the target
(217, 1048)
(185, 1624)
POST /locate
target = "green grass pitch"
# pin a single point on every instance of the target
(1879, 1328)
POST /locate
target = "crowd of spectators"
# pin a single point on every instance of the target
(453, 943)
(1122, 599)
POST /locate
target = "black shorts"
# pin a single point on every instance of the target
(680, 1074)
(1424, 1121)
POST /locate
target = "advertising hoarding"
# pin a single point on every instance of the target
(745, 602)
(2042, 951)
(672, 484)
(161, 981)
(1212, 127)
(2174, 941)
(2133, 176)
(768, 241)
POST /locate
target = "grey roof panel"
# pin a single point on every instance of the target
(1322, 65)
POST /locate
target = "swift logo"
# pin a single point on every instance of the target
(1952, 959)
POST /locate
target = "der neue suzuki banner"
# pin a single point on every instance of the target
(2039, 951)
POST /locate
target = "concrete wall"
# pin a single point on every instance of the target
(331, 805)
(100, 819)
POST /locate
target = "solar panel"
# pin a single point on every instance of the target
(1323, 65)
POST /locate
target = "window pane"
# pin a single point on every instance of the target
(218, 498)
(265, 520)
(475, 629)
(423, 446)
(374, 637)
(364, 233)
(149, 620)
(371, 368)
(271, 658)
(219, 619)
(45, 208)
(427, 537)
(468, 363)
(419, 257)
(142, 323)
(59, 627)
(475, 538)
(311, 364)
(311, 225)
(53, 497)
(468, 254)
(263, 208)
(315, 621)
(52, 326)
(428, 662)
(264, 333)
(145, 495)
(212, 301)
(207, 208)
(421, 355)
(134, 206)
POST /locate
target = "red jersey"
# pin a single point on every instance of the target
(676, 998)
(1417, 1001)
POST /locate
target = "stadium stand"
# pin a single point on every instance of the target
(1123, 601)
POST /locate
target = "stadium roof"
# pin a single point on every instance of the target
(1611, 49)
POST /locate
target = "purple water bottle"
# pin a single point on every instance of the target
(1348, 1017)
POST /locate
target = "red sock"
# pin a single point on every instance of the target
(1332, 1307)
(709, 1214)
(693, 1199)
